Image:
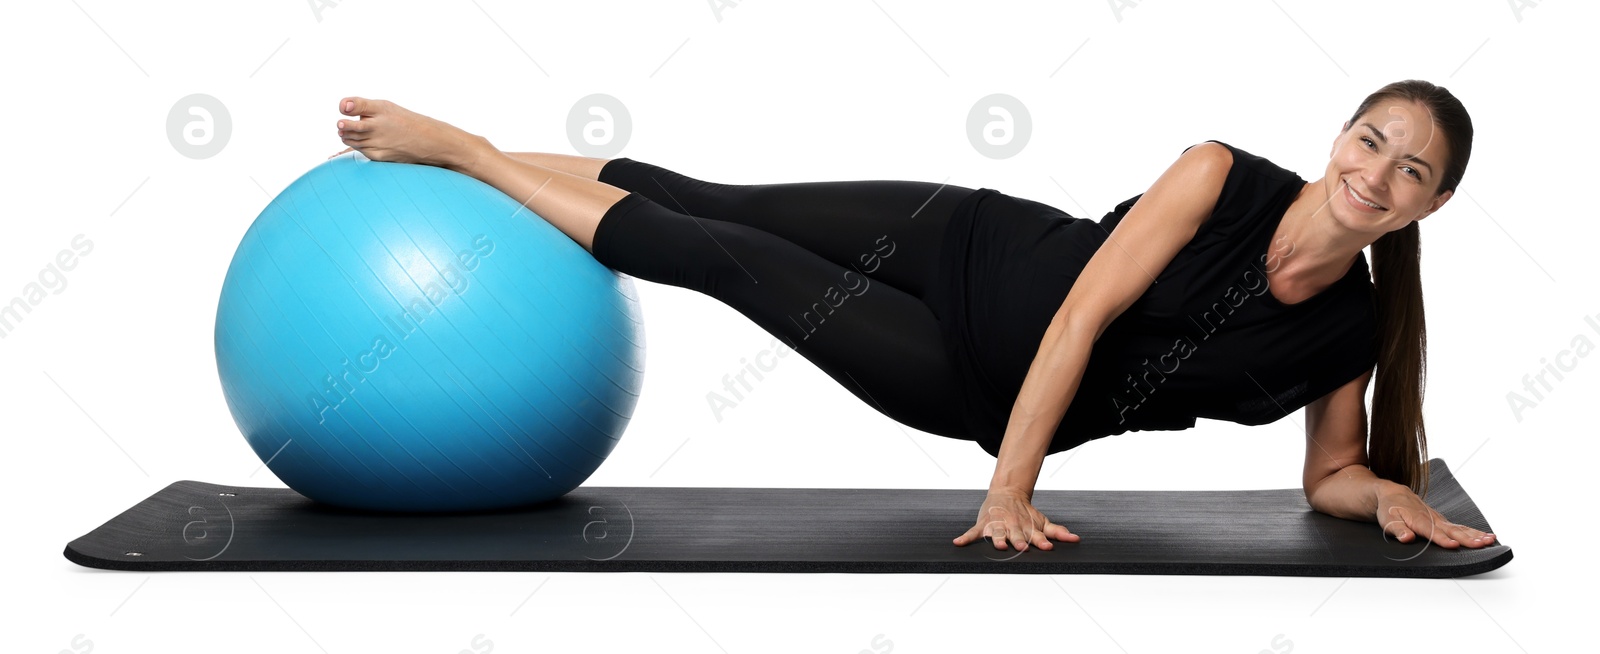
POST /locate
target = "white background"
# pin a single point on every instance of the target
(109, 392)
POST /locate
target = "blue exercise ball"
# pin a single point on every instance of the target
(400, 337)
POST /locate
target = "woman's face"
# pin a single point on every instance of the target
(1392, 156)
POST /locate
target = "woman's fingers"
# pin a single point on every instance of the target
(994, 527)
(1018, 533)
(1396, 524)
(1019, 525)
(999, 533)
(991, 532)
(1004, 529)
(1467, 535)
(1407, 524)
(1059, 532)
(1430, 525)
(1040, 540)
(1453, 535)
(977, 532)
(968, 536)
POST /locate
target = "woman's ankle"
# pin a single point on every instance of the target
(471, 156)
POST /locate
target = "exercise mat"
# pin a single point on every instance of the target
(193, 525)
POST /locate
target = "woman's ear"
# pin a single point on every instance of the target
(1438, 201)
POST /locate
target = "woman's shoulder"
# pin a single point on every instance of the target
(1249, 175)
(1245, 161)
(1254, 193)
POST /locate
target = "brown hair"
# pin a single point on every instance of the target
(1398, 447)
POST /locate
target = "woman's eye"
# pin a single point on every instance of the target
(1409, 170)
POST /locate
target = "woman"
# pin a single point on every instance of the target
(1231, 289)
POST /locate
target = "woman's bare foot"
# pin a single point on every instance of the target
(385, 131)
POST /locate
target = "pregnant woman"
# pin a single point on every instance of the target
(1231, 289)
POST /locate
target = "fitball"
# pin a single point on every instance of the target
(404, 338)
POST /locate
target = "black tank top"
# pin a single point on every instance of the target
(1206, 340)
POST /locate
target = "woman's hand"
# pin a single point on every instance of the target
(1009, 515)
(1404, 515)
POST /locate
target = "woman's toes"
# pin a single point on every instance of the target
(358, 106)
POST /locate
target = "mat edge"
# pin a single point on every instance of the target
(1220, 569)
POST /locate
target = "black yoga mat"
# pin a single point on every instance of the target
(193, 525)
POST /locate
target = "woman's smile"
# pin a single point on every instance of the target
(1361, 203)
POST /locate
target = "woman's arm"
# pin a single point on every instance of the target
(1338, 482)
(1147, 238)
(1052, 381)
(1355, 493)
(1336, 479)
(1351, 493)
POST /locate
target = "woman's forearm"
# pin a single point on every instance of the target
(1046, 392)
(1351, 493)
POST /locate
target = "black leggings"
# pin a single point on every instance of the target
(840, 271)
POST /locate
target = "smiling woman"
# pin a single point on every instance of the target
(978, 327)
(1203, 333)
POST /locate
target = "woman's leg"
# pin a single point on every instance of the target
(888, 230)
(877, 340)
(571, 164)
(880, 343)
(858, 224)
